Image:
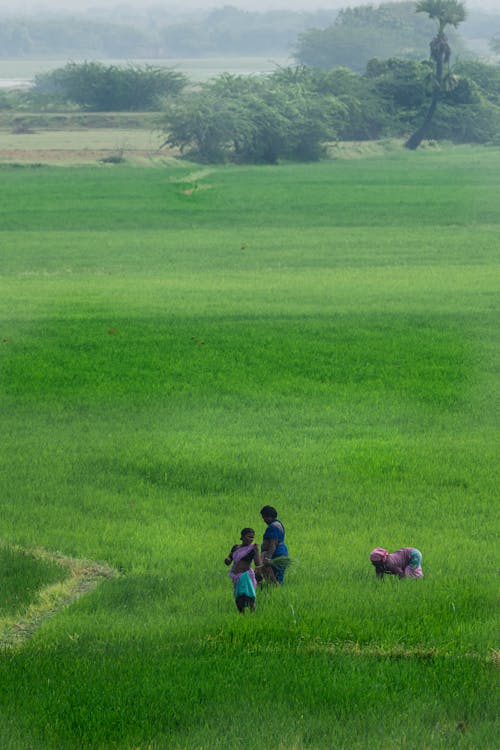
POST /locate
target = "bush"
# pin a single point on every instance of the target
(107, 88)
(236, 118)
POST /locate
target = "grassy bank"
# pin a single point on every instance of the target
(182, 345)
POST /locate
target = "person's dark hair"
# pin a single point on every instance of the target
(246, 531)
(269, 512)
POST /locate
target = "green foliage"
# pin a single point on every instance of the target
(361, 33)
(485, 76)
(155, 32)
(391, 98)
(401, 87)
(252, 120)
(403, 83)
(100, 88)
(446, 13)
(469, 96)
(5, 101)
(231, 31)
(160, 31)
(62, 35)
(466, 122)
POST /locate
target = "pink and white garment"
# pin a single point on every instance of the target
(405, 562)
(245, 583)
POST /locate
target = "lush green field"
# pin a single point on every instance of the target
(180, 346)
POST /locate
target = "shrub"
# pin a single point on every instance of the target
(100, 88)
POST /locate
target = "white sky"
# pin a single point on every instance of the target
(22, 6)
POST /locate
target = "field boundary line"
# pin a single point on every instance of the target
(397, 652)
(83, 577)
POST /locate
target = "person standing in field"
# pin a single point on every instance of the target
(405, 562)
(273, 546)
(242, 574)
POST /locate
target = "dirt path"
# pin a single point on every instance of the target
(83, 577)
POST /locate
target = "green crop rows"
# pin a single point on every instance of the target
(180, 346)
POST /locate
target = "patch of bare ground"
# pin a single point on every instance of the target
(75, 157)
(106, 146)
(83, 577)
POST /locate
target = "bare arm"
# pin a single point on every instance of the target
(257, 559)
(229, 559)
(268, 548)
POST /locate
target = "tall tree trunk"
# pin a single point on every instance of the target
(440, 52)
(418, 136)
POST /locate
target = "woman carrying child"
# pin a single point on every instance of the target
(242, 574)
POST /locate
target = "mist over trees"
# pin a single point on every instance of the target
(367, 73)
(361, 33)
(322, 37)
(222, 31)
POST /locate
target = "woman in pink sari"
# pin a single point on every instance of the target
(242, 574)
(405, 562)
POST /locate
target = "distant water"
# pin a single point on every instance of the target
(14, 83)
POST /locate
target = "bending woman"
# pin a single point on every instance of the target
(273, 545)
(405, 562)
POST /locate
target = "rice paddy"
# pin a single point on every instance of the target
(180, 346)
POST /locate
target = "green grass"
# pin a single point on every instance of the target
(180, 346)
(22, 576)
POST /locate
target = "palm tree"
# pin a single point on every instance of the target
(446, 13)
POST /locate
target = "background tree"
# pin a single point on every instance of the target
(363, 116)
(485, 76)
(153, 32)
(253, 120)
(446, 13)
(401, 90)
(361, 33)
(293, 113)
(330, 37)
(110, 88)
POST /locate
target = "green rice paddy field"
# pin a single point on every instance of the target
(182, 345)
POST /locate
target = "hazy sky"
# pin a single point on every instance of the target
(78, 5)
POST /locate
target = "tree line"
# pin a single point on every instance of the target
(223, 31)
(295, 111)
(323, 38)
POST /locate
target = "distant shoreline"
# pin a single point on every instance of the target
(15, 83)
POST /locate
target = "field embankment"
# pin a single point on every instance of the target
(72, 139)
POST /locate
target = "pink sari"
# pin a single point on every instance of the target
(245, 581)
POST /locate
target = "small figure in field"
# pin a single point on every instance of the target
(242, 574)
(273, 546)
(405, 562)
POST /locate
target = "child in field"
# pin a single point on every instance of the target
(242, 574)
(405, 562)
